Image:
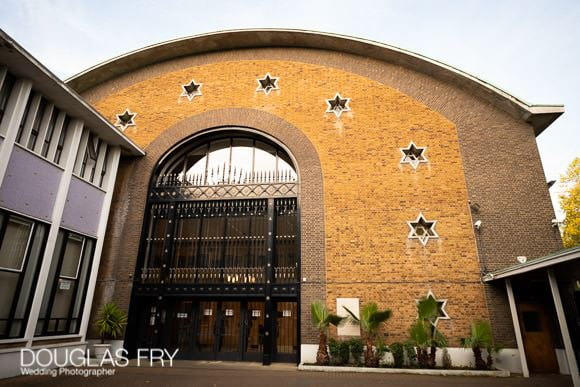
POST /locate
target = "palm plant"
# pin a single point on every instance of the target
(322, 320)
(111, 322)
(481, 338)
(424, 335)
(370, 321)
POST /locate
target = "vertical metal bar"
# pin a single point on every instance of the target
(168, 243)
(270, 313)
(517, 330)
(570, 356)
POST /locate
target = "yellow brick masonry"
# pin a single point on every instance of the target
(368, 194)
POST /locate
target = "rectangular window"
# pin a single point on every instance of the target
(60, 144)
(5, 92)
(49, 132)
(104, 168)
(22, 244)
(90, 158)
(36, 124)
(68, 277)
(24, 118)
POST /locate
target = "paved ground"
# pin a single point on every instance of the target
(216, 374)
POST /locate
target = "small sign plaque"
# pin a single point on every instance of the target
(207, 312)
(181, 315)
(286, 313)
(229, 312)
(64, 284)
(256, 313)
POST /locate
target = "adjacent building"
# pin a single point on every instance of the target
(58, 164)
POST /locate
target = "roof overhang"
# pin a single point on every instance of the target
(20, 63)
(535, 264)
(539, 116)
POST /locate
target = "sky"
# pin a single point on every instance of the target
(529, 48)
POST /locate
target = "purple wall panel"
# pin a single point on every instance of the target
(30, 185)
(82, 210)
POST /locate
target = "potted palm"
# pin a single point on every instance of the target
(481, 338)
(110, 324)
(322, 320)
(370, 321)
(424, 335)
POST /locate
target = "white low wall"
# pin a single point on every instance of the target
(508, 359)
(10, 359)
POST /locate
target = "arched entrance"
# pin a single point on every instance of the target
(218, 269)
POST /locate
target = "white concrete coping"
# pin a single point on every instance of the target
(412, 371)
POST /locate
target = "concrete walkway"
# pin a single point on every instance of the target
(202, 373)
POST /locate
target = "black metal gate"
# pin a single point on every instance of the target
(218, 274)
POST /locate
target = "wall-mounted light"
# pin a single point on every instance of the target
(477, 225)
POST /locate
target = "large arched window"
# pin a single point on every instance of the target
(223, 209)
(230, 160)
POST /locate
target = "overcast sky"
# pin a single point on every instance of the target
(529, 48)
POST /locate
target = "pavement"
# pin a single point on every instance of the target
(218, 374)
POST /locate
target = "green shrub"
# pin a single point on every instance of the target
(344, 352)
(356, 349)
(333, 349)
(398, 351)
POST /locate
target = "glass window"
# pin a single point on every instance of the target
(5, 91)
(21, 247)
(49, 132)
(218, 162)
(61, 309)
(60, 144)
(36, 124)
(230, 160)
(24, 118)
(242, 159)
(265, 158)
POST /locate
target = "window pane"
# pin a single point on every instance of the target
(242, 159)
(286, 171)
(83, 280)
(195, 162)
(13, 250)
(265, 158)
(219, 161)
(62, 300)
(8, 283)
(34, 258)
(72, 256)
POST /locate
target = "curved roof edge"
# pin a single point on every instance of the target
(539, 116)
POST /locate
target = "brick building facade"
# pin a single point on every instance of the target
(356, 196)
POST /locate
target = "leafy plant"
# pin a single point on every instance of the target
(398, 351)
(322, 320)
(424, 335)
(481, 338)
(111, 322)
(570, 203)
(333, 350)
(356, 349)
(339, 351)
(370, 321)
(344, 352)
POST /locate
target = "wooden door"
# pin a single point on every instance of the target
(538, 341)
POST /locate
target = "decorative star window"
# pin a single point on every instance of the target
(337, 105)
(441, 312)
(413, 155)
(191, 90)
(422, 229)
(126, 119)
(267, 84)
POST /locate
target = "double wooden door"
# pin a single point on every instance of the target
(217, 330)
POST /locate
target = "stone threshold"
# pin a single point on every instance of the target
(412, 371)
